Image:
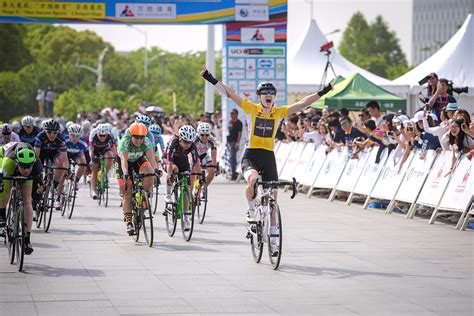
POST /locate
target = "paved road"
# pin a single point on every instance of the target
(336, 260)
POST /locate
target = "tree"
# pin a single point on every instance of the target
(373, 47)
(13, 51)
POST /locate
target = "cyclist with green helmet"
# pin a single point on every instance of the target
(19, 159)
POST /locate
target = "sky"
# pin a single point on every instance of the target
(329, 14)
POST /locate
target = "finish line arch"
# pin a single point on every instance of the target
(254, 31)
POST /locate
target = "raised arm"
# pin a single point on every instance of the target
(309, 99)
(221, 87)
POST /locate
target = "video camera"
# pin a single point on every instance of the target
(458, 90)
(326, 47)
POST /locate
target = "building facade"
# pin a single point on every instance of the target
(434, 23)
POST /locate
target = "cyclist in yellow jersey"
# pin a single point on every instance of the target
(258, 155)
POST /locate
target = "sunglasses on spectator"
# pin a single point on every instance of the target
(138, 137)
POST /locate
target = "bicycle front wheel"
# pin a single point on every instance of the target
(187, 220)
(275, 237)
(9, 232)
(170, 214)
(154, 197)
(147, 220)
(20, 236)
(136, 220)
(48, 210)
(256, 242)
(65, 196)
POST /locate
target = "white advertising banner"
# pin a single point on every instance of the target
(437, 180)
(146, 11)
(370, 173)
(458, 195)
(261, 35)
(332, 169)
(282, 154)
(352, 172)
(390, 178)
(252, 13)
(415, 177)
(303, 162)
(292, 161)
(314, 166)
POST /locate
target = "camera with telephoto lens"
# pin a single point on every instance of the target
(458, 90)
(425, 79)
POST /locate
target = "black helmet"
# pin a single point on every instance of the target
(51, 125)
(266, 88)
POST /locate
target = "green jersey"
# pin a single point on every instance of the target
(134, 153)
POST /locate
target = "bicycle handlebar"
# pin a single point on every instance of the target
(274, 184)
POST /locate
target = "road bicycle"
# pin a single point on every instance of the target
(200, 195)
(182, 205)
(68, 197)
(142, 218)
(267, 227)
(14, 231)
(103, 182)
(154, 194)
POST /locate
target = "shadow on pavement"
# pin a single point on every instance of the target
(336, 272)
(175, 247)
(43, 245)
(101, 219)
(49, 271)
(85, 232)
(220, 241)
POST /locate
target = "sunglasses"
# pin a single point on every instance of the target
(52, 132)
(100, 135)
(6, 133)
(23, 166)
(138, 137)
(268, 91)
(204, 135)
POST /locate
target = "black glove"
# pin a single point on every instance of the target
(158, 172)
(209, 77)
(325, 90)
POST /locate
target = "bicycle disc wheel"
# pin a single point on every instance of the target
(20, 239)
(48, 210)
(189, 212)
(72, 200)
(274, 253)
(202, 206)
(147, 220)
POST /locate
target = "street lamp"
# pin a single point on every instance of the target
(145, 61)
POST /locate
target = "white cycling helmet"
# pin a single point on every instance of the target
(204, 128)
(27, 121)
(187, 133)
(86, 125)
(75, 129)
(69, 123)
(103, 129)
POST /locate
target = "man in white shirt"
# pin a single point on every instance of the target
(374, 110)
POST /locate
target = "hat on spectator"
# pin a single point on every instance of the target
(400, 118)
(433, 116)
(419, 116)
(452, 107)
(389, 117)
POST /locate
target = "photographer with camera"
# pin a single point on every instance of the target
(441, 98)
(432, 80)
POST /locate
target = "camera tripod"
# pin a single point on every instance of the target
(325, 73)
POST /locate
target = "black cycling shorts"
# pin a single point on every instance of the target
(98, 153)
(51, 155)
(260, 160)
(182, 163)
(135, 165)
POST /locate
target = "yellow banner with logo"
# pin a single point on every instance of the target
(61, 10)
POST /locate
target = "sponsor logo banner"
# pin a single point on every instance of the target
(257, 35)
(251, 13)
(146, 11)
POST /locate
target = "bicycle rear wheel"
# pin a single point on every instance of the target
(41, 208)
(274, 251)
(201, 207)
(48, 210)
(20, 236)
(106, 193)
(256, 243)
(170, 214)
(189, 212)
(136, 220)
(65, 196)
(147, 220)
(72, 200)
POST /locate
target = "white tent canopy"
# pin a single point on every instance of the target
(454, 61)
(306, 64)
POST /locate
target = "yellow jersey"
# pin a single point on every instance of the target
(262, 127)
